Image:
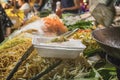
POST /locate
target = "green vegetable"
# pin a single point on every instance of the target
(80, 24)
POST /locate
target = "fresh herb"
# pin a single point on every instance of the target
(80, 24)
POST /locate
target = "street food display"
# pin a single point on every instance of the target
(85, 66)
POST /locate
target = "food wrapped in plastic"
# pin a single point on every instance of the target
(68, 49)
(47, 26)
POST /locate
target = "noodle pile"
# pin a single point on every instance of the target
(12, 50)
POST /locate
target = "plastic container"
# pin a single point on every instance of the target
(68, 49)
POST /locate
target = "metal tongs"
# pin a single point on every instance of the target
(69, 33)
(64, 37)
(24, 57)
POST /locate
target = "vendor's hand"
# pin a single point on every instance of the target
(63, 9)
(8, 31)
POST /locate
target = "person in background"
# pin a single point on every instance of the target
(39, 4)
(86, 6)
(82, 8)
(54, 5)
(70, 6)
(24, 6)
(13, 3)
(1, 34)
(5, 24)
(4, 3)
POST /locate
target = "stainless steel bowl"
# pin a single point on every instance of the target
(109, 40)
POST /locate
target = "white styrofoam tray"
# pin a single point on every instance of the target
(68, 49)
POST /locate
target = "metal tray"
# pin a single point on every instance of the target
(109, 40)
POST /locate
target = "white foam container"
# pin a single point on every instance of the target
(68, 49)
